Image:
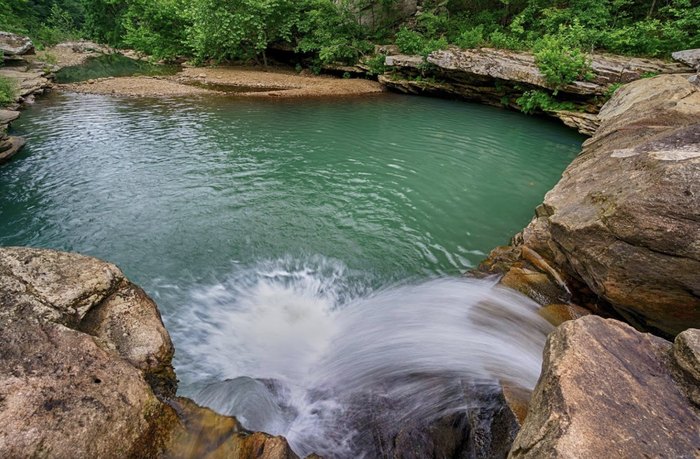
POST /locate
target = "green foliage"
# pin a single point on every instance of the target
(612, 89)
(156, 27)
(238, 29)
(472, 37)
(330, 31)
(8, 91)
(376, 64)
(561, 63)
(412, 42)
(535, 100)
(561, 32)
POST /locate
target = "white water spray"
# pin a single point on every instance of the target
(294, 350)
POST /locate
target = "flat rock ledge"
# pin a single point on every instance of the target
(620, 232)
(85, 370)
(607, 390)
(499, 77)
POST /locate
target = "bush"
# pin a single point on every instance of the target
(8, 91)
(534, 101)
(471, 38)
(561, 63)
(412, 42)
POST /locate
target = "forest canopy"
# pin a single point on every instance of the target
(338, 31)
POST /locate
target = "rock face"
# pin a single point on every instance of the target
(520, 67)
(66, 393)
(15, 45)
(620, 232)
(85, 368)
(499, 77)
(690, 57)
(625, 217)
(607, 390)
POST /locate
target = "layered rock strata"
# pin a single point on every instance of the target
(499, 77)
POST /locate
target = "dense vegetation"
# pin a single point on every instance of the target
(333, 31)
(560, 32)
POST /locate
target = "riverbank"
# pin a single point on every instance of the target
(238, 81)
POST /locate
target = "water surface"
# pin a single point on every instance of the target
(251, 222)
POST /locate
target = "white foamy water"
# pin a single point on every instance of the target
(293, 350)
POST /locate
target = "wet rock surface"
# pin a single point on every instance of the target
(607, 390)
(85, 369)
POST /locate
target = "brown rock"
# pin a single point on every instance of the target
(207, 435)
(8, 116)
(557, 314)
(66, 393)
(625, 217)
(85, 365)
(63, 395)
(607, 390)
(10, 146)
(686, 353)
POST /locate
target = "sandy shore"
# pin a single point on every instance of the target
(239, 81)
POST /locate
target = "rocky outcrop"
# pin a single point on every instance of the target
(85, 369)
(607, 390)
(689, 57)
(520, 67)
(621, 229)
(66, 393)
(15, 45)
(499, 77)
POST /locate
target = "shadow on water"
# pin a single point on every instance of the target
(112, 65)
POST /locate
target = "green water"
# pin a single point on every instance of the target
(111, 65)
(212, 193)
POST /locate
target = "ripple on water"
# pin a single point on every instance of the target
(190, 198)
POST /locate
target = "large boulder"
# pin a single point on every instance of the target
(66, 393)
(15, 45)
(625, 217)
(85, 369)
(689, 57)
(607, 390)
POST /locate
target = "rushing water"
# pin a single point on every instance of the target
(312, 245)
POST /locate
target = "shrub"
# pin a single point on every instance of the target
(535, 100)
(471, 38)
(8, 91)
(412, 42)
(561, 63)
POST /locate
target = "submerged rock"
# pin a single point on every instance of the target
(607, 390)
(10, 146)
(85, 369)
